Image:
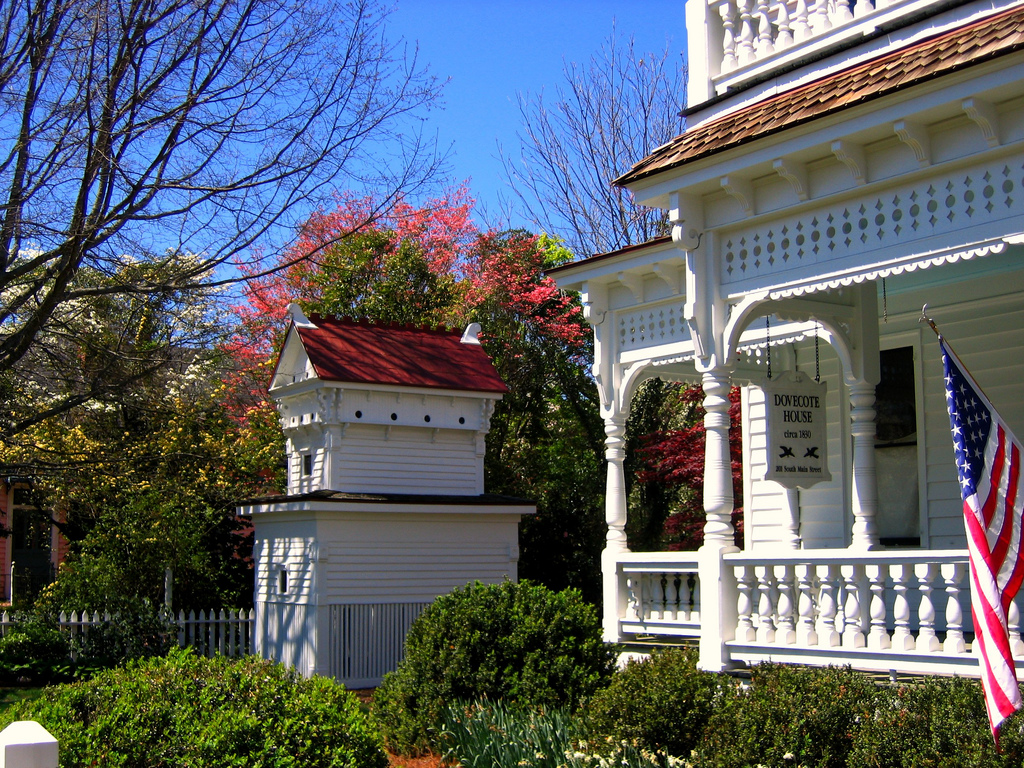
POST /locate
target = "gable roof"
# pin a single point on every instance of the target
(942, 54)
(356, 351)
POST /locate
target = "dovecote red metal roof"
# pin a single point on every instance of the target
(942, 54)
(356, 351)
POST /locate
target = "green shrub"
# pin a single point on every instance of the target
(136, 630)
(937, 722)
(34, 651)
(191, 712)
(661, 702)
(520, 643)
(788, 716)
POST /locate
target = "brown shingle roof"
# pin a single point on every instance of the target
(358, 352)
(924, 60)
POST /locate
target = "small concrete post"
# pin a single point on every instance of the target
(26, 744)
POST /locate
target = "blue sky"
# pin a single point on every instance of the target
(491, 50)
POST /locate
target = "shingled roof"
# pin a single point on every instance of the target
(355, 351)
(924, 60)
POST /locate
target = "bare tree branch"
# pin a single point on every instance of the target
(610, 113)
(134, 128)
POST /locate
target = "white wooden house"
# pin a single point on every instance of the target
(844, 163)
(385, 507)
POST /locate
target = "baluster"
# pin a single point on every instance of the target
(763, 46)
(785, 36)
(656, 582)
(673, 609)
(862, 8)
(828, 607)
(801, 23)
(820, 21)
(927, 642)
(693, 585)
(766, 603)
(805, 633)
(841, 12)
(952, 575)
(786, 633)
(634, 608)
(727, 11)
(745, 632)
(902, 640)
(1013, 624)
(878, 637)
(853, 637)
(745, 44)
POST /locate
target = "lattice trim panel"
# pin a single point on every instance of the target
(856, 232)
(652, 326)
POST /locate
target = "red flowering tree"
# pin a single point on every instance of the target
(674, 458)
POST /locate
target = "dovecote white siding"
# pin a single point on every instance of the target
(363, 440)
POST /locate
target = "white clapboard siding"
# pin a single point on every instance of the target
(407, 463)
(292, 555)
(988, 336)
(282, 633)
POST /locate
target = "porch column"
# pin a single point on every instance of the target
(614, 588)
(718, 500)
(718, 584)
(862, 380)
(865, 481)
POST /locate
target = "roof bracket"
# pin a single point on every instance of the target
(634, 283)
(670, 275)
(851, 155)
(741, 190)
(795, 173)
(983, 113)
(915, 136)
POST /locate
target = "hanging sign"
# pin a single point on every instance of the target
(797, 434)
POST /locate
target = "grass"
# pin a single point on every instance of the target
(9, 696)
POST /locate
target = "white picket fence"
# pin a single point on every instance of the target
(224, 632)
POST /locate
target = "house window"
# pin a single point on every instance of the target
(898, 518)
(307, 465)
(31, 537)
(282, 582)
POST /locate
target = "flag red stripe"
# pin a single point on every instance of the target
(997, 697)
(1004, 541)
(995, 470)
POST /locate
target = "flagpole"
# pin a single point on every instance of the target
(925, 319)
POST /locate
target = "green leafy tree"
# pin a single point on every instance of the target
(146, 478)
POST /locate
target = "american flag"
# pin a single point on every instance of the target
(988, 461)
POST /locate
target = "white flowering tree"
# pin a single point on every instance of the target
(145, 145)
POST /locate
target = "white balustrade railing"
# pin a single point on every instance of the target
(907, 611)
(663, 590)
(742, 35)
(880, 610)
